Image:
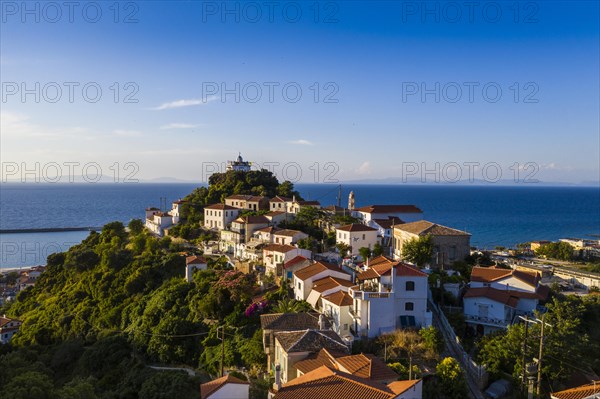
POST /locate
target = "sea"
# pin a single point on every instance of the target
(494, 215)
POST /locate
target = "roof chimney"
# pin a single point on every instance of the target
(321, 322)
(277, 383)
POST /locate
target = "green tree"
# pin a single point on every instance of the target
(451, 379)
(418, 250)
(377, 250)
(31, 384)
(365, 253)
(136, 226)
(342, 248)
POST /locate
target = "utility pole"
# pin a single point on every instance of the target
(524, 351)
(539, 363)
(222, 349)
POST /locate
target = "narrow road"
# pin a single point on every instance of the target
(458, 354)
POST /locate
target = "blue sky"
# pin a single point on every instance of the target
(361, 67)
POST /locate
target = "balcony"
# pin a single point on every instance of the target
(486, 320)
(366, 295)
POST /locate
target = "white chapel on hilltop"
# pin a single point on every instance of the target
(239, 165)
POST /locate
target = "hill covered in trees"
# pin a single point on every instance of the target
(118, 302)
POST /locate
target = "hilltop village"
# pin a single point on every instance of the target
(245, 290)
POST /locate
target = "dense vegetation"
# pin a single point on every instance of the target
(571, 346)
(117, 302)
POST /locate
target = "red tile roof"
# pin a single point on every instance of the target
(329, 282)
(325, 383)
(356, 227)
(423, 227)
(339, 298)
(213, 386)
(503, 297)
(294, 261)
(194, 260)
(580, 392)
(279, 248)
(316, 268)
(491, 274)
(221, 207)
(389, 209)
(381, 266)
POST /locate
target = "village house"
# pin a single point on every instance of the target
(296, 263)
(336, 306)
(297, 205)
(158, 222)
(327, 383)
(362, 365)
(281, 204)
(219, 216)
(275, 322)
(276, 255)
(294, 346)
(288, 237)
(325, 286)
(449, 245)
(356, 236)
(497, 297)
(248, 202)
(226, 387)
(8, 328)
(194, 263)
(385, 229)
(304, 278)
(389, 295)
(407, 213)
(265, 235)
(276, 217)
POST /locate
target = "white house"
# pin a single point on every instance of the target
(194, 263)
(407, 213)
(325, 286)
(276, 255)
(337, 306)
(385, 229)
(239, 165)
(276, 217)
(390, 295)
(496, 297)
(288, 237)
(158, 222)
(176, 210)
(356, 236)
(226, 387)
(8, 328)
(281, 204)
(219, 216)
(304, 278)
(249, 202)
(297, 205)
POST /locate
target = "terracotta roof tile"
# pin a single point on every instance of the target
(389, 209)
(211, 387)
(325, 383)
(221, 207)
(316, 268)
(194, 260)
(295, 261)
(423, 227)
(580, 392)
(279, 248)
(356, 227)
(339, 298)
(490, 274)
(329, 282)
(399, 387)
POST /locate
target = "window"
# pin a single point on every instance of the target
(299, 285)
(409, 306)
(410, 286)
(346, 326)
(364, 237)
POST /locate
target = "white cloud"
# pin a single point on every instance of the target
(15, 125)
(365, 168)
(301, 142)
(127, 133)
(184, 103)
(178, 126)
